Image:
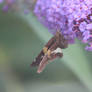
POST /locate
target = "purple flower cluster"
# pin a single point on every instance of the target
(73, 18)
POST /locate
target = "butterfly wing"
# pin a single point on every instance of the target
(43, 64)
(38, 59)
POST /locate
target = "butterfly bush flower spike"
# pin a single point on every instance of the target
(73, 18)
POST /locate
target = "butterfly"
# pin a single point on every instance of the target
(51, 51)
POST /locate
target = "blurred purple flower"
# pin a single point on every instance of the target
(72, 17)
(24, 5)
(5, 8)
(1, 1)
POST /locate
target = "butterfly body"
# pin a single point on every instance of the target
(51, 51)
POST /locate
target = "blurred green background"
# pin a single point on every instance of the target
(21, 39)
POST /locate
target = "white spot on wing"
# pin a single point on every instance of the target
(58, 50)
